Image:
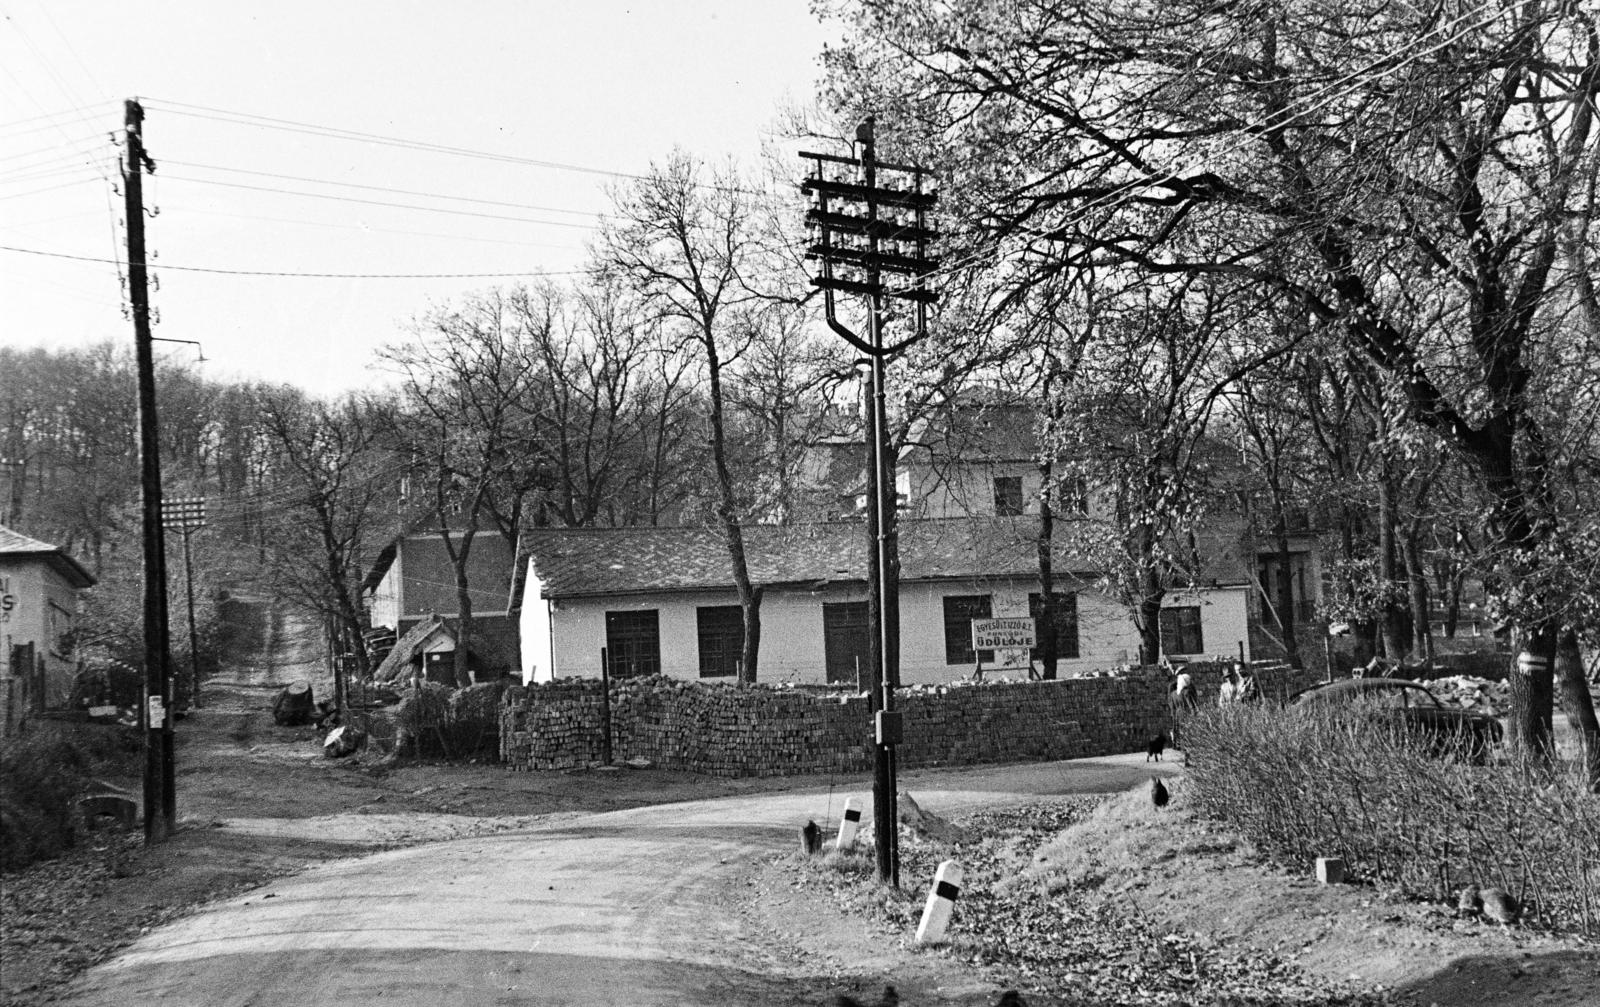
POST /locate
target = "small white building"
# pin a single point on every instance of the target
(661, 600)
(39, 587)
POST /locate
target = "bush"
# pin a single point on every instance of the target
(1304, 784)
(436, 720)
(42, 774)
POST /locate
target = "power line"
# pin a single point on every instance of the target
(320, 276)
(381, 188)
(300, 221)
(49, 188)
(334, 132)
(356, 136)
(380, 202)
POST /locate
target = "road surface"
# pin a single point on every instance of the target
(632, 907)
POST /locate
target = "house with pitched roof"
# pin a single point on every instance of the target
(662, 601)
(412, 582)
(39, 586)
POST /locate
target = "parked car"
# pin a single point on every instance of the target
(1445, 729)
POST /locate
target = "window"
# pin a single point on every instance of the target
(1180, 630)
(844, 642)
(1007, 496)
(1066, 619)
(721, 639)
(959, 611)
(60, 631)
(633, 643)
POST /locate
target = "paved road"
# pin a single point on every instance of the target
(629, 907)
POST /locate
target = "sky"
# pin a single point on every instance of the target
(249, 116)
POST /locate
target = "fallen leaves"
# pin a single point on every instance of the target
(1063, 949)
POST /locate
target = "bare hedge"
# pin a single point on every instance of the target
(1301, 785)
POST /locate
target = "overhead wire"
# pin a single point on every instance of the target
(366, 228)
(379, 202)
(356, 136)
(308, 275)
(381, 188)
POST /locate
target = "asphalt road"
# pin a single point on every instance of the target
(628, 907)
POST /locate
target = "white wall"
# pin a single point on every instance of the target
(563, 638)
(791, 632)
(385, 603)
(1223, 619)
(38, 606)
(533, 630)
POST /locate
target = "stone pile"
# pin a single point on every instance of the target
(1480, 695)
(723, 730)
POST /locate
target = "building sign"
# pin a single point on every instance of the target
(1003, 634)
(8, 601)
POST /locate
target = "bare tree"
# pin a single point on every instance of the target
(688, 241)
(331, 477)
(463, 375)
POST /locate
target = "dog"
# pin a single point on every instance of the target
(1157, 745)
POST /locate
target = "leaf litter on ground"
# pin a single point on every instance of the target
(1061, 949)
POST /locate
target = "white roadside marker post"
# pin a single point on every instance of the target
(941, 900)
(848, 826)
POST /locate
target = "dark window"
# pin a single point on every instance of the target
(1066, 618)
(1075, 496)
(959, 611)
(633, 643)
(1180, 630)
(1008, 496)
(721, 639)
(844, 641)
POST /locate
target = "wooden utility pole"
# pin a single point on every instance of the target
(890, 236)
(160, 797)
(188, 514)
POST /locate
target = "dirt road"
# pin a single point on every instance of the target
(630, 907)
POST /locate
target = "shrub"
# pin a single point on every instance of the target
(42, 774)
(1302, 784)
(436, 720)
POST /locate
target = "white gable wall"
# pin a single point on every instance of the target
(533, 630)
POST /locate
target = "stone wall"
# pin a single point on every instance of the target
(723, 730)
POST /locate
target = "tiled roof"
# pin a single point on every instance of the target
(14, 543)
(604, 561)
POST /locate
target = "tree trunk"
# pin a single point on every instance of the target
(1286, 619)
(1045, 625)
(1578, 704)
(1532, 694)
(1417, 596)
(1394, 639)
(1150, 631)
(728, 512)
(463, 653)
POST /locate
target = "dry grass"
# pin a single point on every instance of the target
(1304, 784)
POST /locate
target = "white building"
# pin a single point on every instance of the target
(39, 586)
(661, 600)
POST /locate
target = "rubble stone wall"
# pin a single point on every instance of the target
(722, 730)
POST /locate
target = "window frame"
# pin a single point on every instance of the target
(1173, 630)
(722, 627)
(628, 626)
(958, 639)
(1016, 505)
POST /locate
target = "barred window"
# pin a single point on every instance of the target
(633, 643)
(721, 639)
(959, 611)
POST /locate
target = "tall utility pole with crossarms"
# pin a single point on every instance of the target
(863, 231)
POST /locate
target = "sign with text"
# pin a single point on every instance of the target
(1003, 634)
